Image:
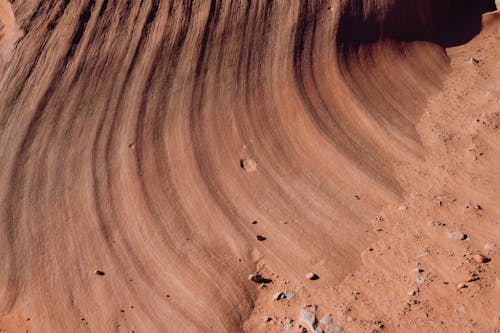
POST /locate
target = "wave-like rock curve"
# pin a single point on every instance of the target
(123, 124)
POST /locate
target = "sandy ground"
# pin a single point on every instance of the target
(154, 154)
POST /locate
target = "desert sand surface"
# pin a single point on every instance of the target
(249, 166)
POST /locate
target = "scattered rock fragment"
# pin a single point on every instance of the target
(461, 286)
(489, 246)
(473, 278)
(255, 277)
(456, 235)
(480, 258)
(248, 165)
(265, 318)
(311, 276)
(282, 295)
(403, 208)
(313, 307)
(261, 238)
(412, 293)
(100, 273)
(420, 279)
(278, 296)
(309, 319)
(254, 222)
(474, 61)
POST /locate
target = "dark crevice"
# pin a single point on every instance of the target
(83, 20)
(447, 23)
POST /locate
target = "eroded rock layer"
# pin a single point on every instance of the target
(125, 127)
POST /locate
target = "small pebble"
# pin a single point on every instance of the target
(248, 165)
(474, 61)
(255, 277)
(289, 294)
(489, 246)
(473, 278)
(461, 286)
(402, 207)
(456, 235)
(481, 258)
(254, 222)
(265, 318)
(419, 279)
(261, 238)
(412, 293)
(311, 276)
(279, 296)
(100, 273)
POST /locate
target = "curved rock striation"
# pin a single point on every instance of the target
(124, 124)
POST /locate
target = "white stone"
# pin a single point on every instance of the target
(309, 319)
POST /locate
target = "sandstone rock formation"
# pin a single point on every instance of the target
(124, 124)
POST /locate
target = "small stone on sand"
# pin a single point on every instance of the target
(311, 276)
(480, 258)
(261, 238)
(334, 329)
(100, 273)
(279, 296)
(412, 293)
(289, 294)
(265, 318)
(456, 235)
(461, 286)
(489, 246)
(248, 165)
(309, 318)
(474, 61)
(255, 277)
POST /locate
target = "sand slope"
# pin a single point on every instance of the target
(124, 126)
